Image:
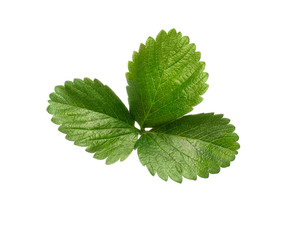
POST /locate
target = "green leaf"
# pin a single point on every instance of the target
(165, 79)
(190, 146)
(91, 115)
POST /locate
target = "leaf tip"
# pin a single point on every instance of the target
(172, 31)
(162, 34)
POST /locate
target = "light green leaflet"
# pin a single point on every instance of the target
(190, 146)
(165, 80)
(94, 117)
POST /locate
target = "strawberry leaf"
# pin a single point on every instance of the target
(165, 80)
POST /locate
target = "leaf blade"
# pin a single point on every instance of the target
(165, 79)
(92, 116)
(188, 147)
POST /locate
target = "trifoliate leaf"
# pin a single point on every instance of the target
(91, 115)
(190, 146)
(165, 79)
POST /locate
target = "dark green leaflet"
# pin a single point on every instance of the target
(165, 79)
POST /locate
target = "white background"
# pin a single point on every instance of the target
(51, 189)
